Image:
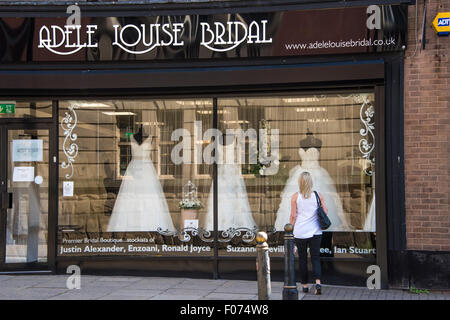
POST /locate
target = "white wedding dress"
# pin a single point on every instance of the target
(370, 222)
(322, 182)
(233, 205)
(140, 203)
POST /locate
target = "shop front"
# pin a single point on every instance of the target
(161, 145)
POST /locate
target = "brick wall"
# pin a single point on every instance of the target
(427, 117)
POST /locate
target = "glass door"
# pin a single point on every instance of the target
(25, 175)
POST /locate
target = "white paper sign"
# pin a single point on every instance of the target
(191, 223)
(27, 150)
(68, 189)
(23, 174)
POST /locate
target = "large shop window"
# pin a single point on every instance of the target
(136, 176)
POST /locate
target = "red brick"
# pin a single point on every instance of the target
(426, 132)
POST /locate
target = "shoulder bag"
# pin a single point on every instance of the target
(324, 221)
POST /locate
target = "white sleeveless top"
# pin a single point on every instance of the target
(307, 222)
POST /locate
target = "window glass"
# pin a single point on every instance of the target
(136, 176)
(128, 185)
(272, 140)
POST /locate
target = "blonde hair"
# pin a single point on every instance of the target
(306, 184)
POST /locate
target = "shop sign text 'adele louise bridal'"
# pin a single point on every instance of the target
(219, 37)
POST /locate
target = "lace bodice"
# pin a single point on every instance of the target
(310, 157)
(142, 151)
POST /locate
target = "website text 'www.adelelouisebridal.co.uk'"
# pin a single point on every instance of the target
(324, 44)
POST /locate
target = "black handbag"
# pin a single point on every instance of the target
(324, 221)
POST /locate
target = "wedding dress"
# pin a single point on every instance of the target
(370, 222)
(140, 204)
(233, 205)
(322, 182)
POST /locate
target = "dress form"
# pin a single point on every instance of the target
(309, 155)
(140, 203)
(310, 141)
(234, 208)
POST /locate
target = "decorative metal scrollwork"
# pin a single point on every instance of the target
(248, 235)
(184, 236)
(70, 148)
(367, 143)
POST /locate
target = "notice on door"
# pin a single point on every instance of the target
(23, 174)
(27, 150)
(68, 189)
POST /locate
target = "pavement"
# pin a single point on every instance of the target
(54, 287)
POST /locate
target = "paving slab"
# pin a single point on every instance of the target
(131, 295)
(119, 279)
(12, 283)
(198, 286)
(229, 296)
(11, 294)
(38, 293)
(176, 297)
(105, 284)
(5, 277)
(278, 296)
(249, 289)
(27, 287)
(188, 292)
(154, 284)
(124, 297)
(80, 295)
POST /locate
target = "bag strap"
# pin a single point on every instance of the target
(319, 203)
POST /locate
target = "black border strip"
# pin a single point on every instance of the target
(139, 8)
(14, 82)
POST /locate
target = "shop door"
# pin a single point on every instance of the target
(25, 197)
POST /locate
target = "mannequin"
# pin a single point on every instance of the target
(234, 208)
(309, 155)
(140, 204)
(310, 141)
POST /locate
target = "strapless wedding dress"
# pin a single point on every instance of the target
(140, 203)
(233, 205)
(322, 182)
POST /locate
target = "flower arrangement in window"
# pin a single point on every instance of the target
(190, 204)
(190, 200)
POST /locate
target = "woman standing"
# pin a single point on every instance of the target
(307, 231)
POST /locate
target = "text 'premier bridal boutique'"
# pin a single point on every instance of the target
(138, 142)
